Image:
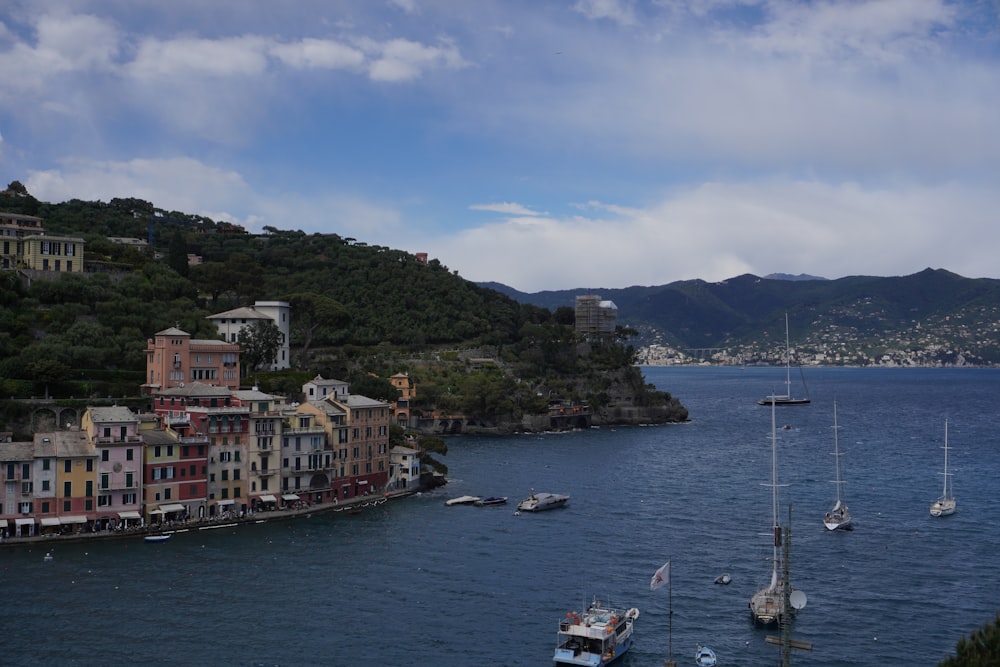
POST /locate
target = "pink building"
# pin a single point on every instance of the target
(174, 359)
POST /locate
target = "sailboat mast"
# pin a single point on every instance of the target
(774, 496)
(788, 362)
(944, 492)
(836, 450)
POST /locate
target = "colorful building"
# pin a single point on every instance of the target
(174, 359)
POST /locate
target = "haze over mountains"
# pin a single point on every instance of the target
(933, 309)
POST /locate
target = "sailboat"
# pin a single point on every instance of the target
(945, 505)
(787, 398)
(839, 517)
(767, 606)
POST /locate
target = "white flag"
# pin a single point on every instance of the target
(661, 577)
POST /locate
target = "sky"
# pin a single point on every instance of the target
(542, 144)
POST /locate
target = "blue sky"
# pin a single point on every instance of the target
(541, 144)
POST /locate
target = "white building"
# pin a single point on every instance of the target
(231, 322)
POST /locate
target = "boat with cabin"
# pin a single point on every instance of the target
(538, 502)
(491, 500)
(595, 637)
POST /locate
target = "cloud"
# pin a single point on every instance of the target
(504, 207)
(318, 54)
(618, 11)
(719, 230)
(403, 59)
(178, 184)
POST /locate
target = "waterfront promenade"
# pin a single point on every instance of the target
(299, 510)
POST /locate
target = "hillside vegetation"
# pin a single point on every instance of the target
(358, 311)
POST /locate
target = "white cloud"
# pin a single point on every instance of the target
(403, 59)
(720, 230)
(179, 184)
(239, 56)
(318, 53)
(504, 207)
(618, 11)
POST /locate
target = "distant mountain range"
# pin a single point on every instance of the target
(933, 308)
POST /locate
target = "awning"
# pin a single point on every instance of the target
(289, 496)
(129, 515)
(172, 508)
(3, 523)
(268, 499)
(49, 521)
(156, 512)
(73, 519)
(25, 522)
(362, 482)
(223, 503)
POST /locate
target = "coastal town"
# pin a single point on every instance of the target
(203, 453)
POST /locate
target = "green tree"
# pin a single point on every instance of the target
(312, 315)
(177, 254)
(980, 649)
(259, 344)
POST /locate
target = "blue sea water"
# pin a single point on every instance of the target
(413, 582)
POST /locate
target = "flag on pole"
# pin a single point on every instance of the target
(661, 577)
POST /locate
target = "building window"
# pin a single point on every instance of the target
(67, 466)
(67, 489)
(105, 455)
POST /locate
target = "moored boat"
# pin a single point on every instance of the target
(598, 636)
(462, 500)
(537, 502)
(839, 517)
(491, 500)
(945, 505)
(156, 538)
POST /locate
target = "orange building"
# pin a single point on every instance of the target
(173, 359)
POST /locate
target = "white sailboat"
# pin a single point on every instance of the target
(839, 517)
(767, 606)
(787, 398)
(945, 505)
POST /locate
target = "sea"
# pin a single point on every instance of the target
(413, 582)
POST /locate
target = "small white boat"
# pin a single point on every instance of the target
(156, 538)
(945, 505)
(723, 579)
(462, 500)
(704, 657)
(596, 637)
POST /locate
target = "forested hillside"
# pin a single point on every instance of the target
(357, 310)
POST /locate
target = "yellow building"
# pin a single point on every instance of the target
(43, 252)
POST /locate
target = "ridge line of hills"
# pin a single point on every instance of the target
(933, 317)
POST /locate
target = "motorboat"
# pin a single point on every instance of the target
(723, 579)
(595, 637)
(491, 500)
(156, 538)
(537, 502)
(704, 657)
(462, 500)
